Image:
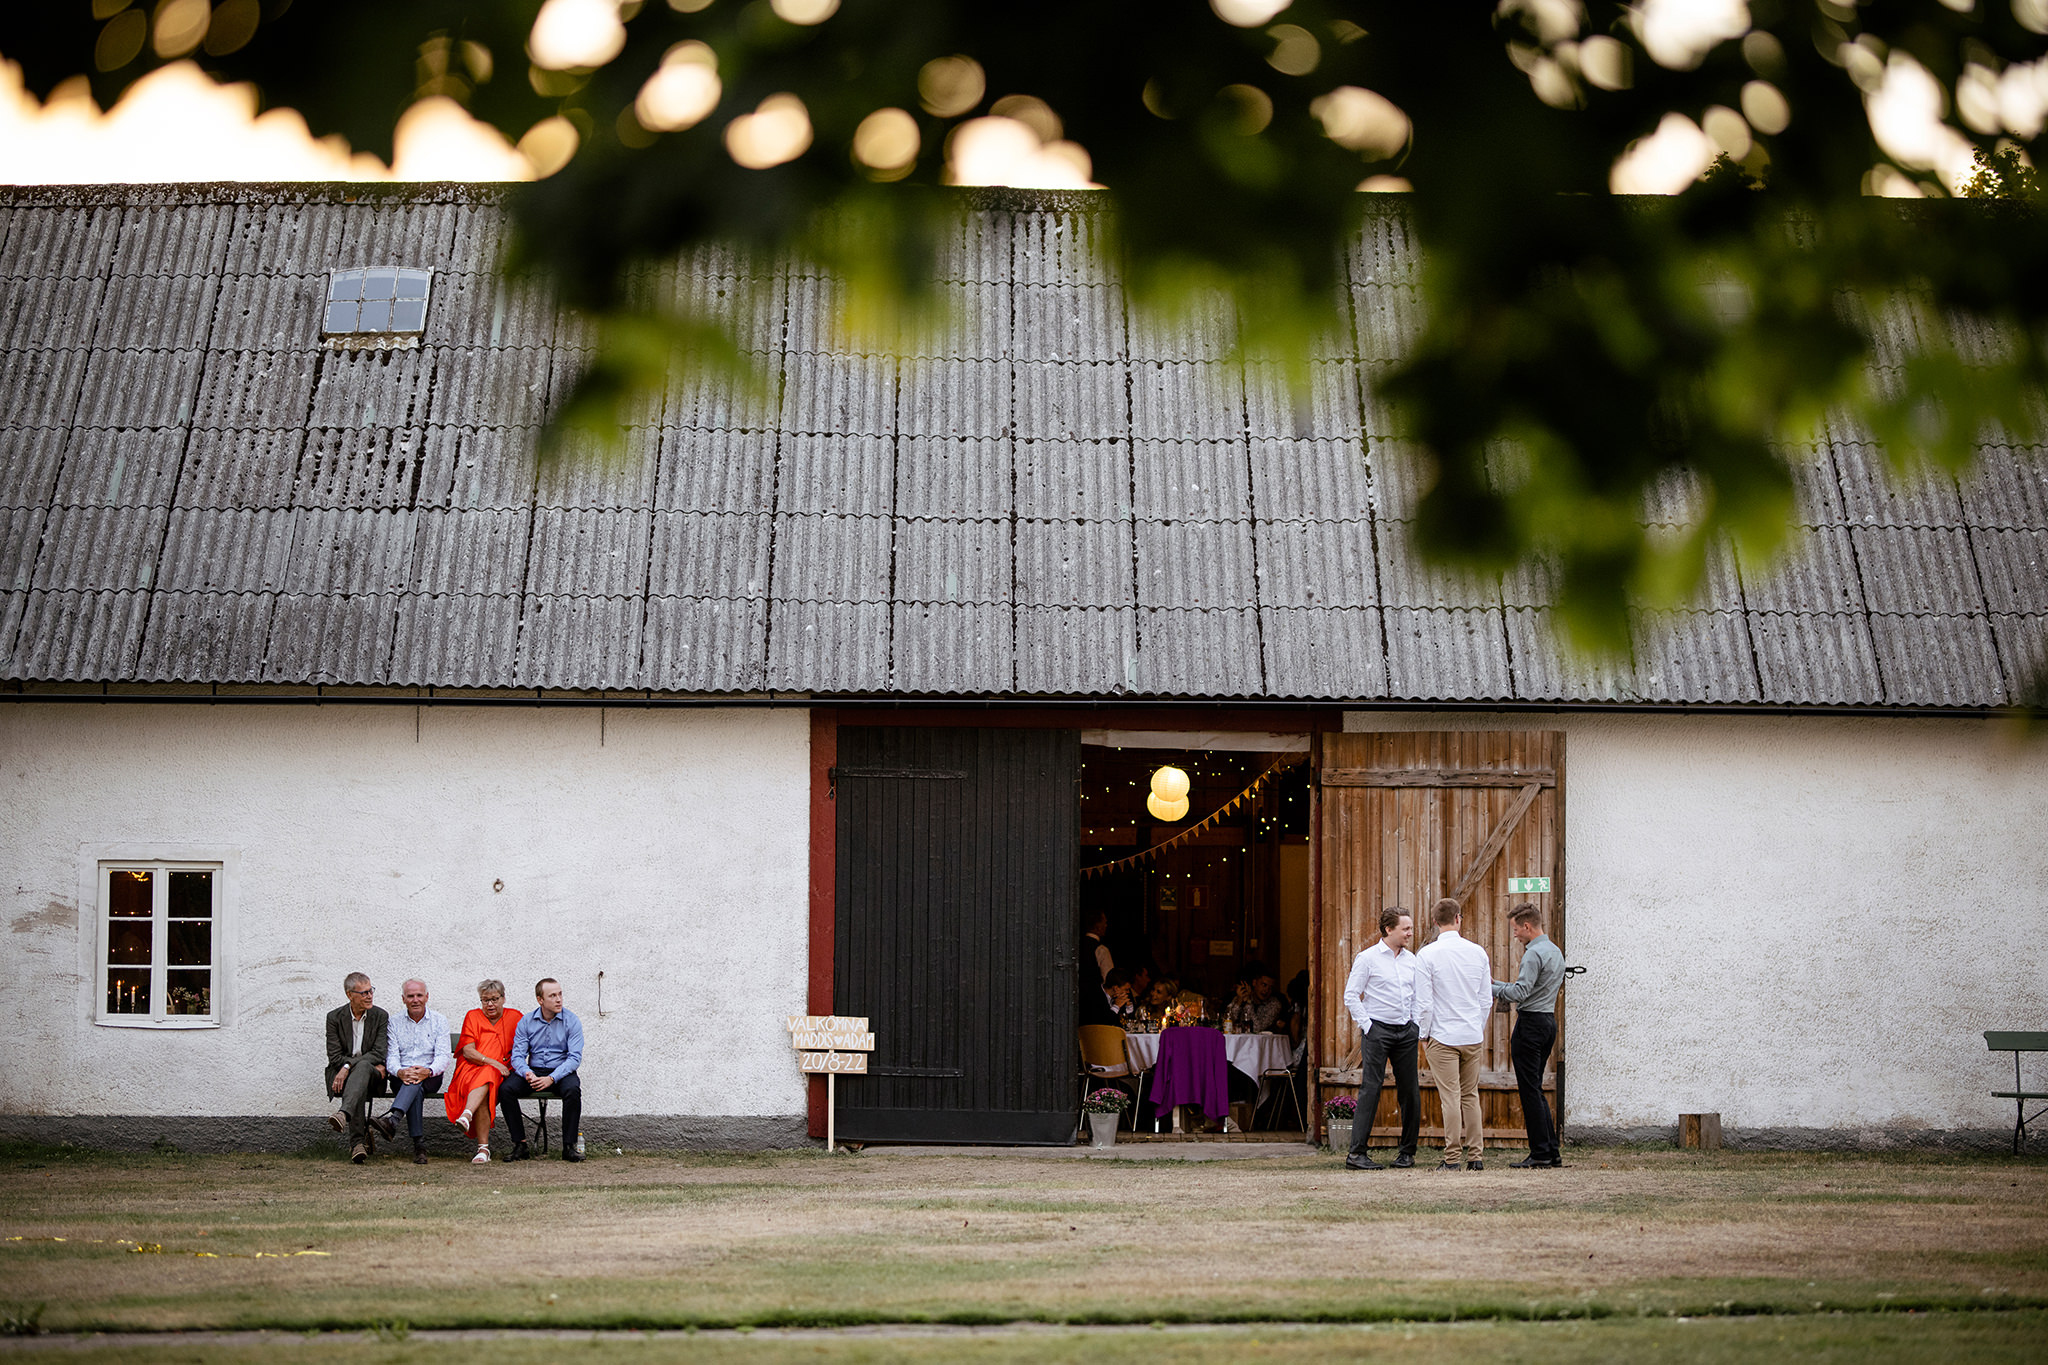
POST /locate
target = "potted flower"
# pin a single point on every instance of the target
(1340, 1112)
(1103, 1107)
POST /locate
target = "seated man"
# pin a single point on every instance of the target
(418, 1060)
(547, 1049)
(356, 1048)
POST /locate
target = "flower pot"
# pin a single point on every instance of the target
(1340, 1135)
(1102, 1127)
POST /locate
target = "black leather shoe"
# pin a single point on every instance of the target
(1531, 1163)
(1446, 1166)
(386, 1127)
(520, 1152)
(1362, 1163)
(571, 1154)
(1403, 1162)
(419, 1153)
(1475, 1165)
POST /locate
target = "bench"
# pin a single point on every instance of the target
(2016, 1043)
(387, 1089)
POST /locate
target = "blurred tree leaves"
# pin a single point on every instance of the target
(1586, 360)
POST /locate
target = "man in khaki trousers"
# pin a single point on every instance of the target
(1453, 998)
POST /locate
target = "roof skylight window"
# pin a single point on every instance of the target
(377, 305)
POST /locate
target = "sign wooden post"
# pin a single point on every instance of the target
(834, 1044)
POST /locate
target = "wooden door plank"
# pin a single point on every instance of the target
(1496, 841)
(1437, 777)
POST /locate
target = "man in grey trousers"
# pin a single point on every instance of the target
(1534, 994)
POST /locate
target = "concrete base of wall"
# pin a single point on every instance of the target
(1988, 1140)
(632, 1132)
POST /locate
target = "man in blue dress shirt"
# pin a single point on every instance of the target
(547, 1050)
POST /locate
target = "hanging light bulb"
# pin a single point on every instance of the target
(1166, 810)
(1170, 784)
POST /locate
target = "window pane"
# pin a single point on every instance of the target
(191, 895)
(128, 990)
(128, 894)
(128, 943)
(409, 315)
(341, 317)
(346, 284)
(190, 992)
(191, 943)
(380, 284)
(412, 284)
(376, 316)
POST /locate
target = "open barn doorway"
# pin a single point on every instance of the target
(1203, 921)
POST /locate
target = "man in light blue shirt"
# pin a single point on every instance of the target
(417, 1058)
(547, 1054)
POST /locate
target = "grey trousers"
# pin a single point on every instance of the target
(362, 1085)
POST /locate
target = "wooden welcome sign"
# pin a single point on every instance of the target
(833, 1045)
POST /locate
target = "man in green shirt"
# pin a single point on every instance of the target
(1534, 994)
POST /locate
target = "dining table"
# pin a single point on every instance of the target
(1252, 1053)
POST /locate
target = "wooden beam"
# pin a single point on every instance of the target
(1495, 842)
(1438, 777)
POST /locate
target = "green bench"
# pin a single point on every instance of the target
(2016, 1043)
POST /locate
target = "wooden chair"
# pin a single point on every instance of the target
(1104, 1057)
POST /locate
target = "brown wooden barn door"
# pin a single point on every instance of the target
(1408, 818)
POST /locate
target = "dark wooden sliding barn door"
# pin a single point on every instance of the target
(955, 931)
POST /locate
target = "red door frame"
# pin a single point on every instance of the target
(825, 723)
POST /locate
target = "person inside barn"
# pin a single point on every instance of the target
(1533, 993)
(1380, 994)
(1094, 950)
(547, 1058)
(356, 1041)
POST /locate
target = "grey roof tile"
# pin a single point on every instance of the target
(1075, 563)
(716, 471)
(1335, 652)
(1309, 480)
(1385, 250)
(841, 395)
(1388, 318)
(843, 475)
(479, 235)
(975, 246)
(814, 319)
(159, 312)
(42, 388)
(1814, 572)
(2007, 490)
(830, 559)
(1874, 495)
(1406, 581)
(285, 238)
(121, 468)
(1825, 658)
(488, 468)
(100, 547)
(372, 388)
(967, 322)
(953, 562)
(939, 476)
(828, 646)
(2023, 645)
(711, 556)
(172, 238)
(1695, 656)
(1400, 474)
(1083, 322)
(1072, 402)
(1316, 564)
(1917, 569)
(724, 400)
(586, 474)
(705, 645)
(1176, 399)
(455, 641)
(1199, 653)
(21, 540)
(236, 552)
(204, 637)
(139, 388)
(579, 553)
(580, 642)
(1202, 327)
(368, 468)
(66, 636)
(951, 647)
(1064, 480)
(1547, 668)
(256, 391)
(351, 553)
(1076, 651)
(329, 637)
(480, 553)
(1937, 660)
(61, 241)
(1061, 248)
(2013, 566)
(954, 398)
(1202, 564)
(260, 313)
(55, 314)
(1532, 583)
(240, 470)
(1327, 407)
(1448, 655)
(1191, 480)
(403, 230)
(465, 311)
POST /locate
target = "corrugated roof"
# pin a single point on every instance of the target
(1048, 494)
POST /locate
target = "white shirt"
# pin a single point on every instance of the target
(1382, 986)
(424, 1043)
(356, 1045)
(1453, 990)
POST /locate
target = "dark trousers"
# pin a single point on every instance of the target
(411, 1101)
(1529, 1045)
(1384, 1043)
(569, 1091)
(362, 1086)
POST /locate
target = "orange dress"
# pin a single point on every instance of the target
(493, 1040)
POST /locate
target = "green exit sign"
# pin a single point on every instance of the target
(1528, 886)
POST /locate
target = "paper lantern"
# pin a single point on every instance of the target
(1170, 784)
(1166, 810)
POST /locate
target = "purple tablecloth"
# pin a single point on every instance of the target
(1192, 1070)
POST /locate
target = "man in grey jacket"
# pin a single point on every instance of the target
(1534, 994)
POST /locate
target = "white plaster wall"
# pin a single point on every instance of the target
(1798, 922)
(666, 849)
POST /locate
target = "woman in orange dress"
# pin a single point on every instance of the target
(483, 1058)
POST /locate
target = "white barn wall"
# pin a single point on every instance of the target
(1802, 923)
(667, 849)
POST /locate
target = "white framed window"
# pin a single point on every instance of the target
(160, 943)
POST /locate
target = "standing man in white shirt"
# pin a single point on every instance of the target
(418, 1059)
(1380, 993)
(1453, 998)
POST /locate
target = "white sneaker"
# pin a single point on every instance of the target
(482, 1157)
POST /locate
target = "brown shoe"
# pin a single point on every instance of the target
(384, 1125)
(359, 1154)
(419, 1154)
(334, 1121)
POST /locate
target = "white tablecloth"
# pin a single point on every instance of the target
(1250, 1053)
